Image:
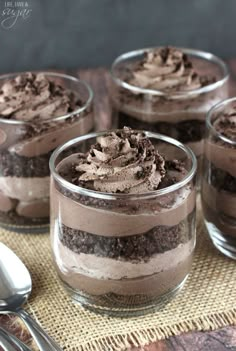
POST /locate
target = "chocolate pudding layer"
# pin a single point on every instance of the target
(120, 249)
(219, 183)
(38, 112)
(176, 111)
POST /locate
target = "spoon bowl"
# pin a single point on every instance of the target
(15, 280)
(15, 288)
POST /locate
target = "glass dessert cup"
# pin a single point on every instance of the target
(178, 114)
(25, 149)
(218, 192)
(122, 254)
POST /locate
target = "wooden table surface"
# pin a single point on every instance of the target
(219, 340)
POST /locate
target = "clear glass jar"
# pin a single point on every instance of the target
(25, 149)
(180, 114)
(219, 180)
(122, 254)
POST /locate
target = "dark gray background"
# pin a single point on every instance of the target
(84, 33)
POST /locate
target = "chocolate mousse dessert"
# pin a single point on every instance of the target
(168, 90)
(122, 239)
(219, 182)
(38, 112)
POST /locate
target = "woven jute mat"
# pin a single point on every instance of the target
(207, 301)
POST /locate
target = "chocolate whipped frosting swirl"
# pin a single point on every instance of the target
(166, 69)
(226, 125)
(122, 162)
(32, 96)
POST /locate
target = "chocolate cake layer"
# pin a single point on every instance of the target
(221, 179)
(12, 217)
(132, 247)
(12, 164)
(184, 131)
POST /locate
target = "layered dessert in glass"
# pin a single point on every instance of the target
(219, 177)
(123, 219)
(168, 90)
(38, 112)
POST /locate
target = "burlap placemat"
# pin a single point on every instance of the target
(208, 300)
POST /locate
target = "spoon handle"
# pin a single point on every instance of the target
(43, 341)
(5, 343)
(7, 337)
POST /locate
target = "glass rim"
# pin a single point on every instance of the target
(210, 113)
(204, 55)
(114, 196)
(55, 75)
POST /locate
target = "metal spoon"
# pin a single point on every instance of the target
(7, 340)
(6, 343)
(15, 288)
